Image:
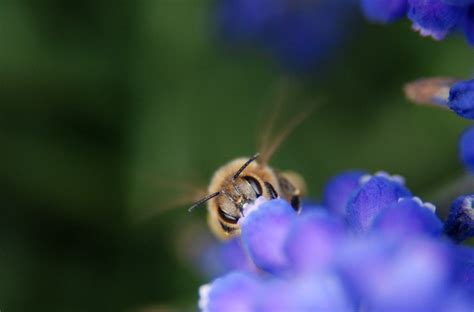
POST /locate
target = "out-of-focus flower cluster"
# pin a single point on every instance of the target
(434, 18)
(299, 34)
(456, 95)
(370, 246)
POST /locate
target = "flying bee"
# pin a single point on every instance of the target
(243, 180)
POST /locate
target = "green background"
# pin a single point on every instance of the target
(105, 102)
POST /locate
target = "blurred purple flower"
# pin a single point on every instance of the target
(397, 260)
(384, 11)
(299, 34)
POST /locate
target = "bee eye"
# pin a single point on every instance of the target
(255, 185)
(227, 217)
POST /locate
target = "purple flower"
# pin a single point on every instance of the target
(315, 261)
(466, 149)
(461, 98)
(298, 34)
(384, 11)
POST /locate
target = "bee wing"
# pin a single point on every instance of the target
(270, 139)
(186, 194)
(269, 149)
(264, 138)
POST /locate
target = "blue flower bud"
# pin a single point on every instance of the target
(460, 223)
(384, 11)
(264, 233)
(461, 98)
(408, 217)
(434, 18)
(339, 189)
(397, 275)
(313, 240)
(376, 194)
(466, 149)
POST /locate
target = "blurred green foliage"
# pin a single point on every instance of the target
(102, 103)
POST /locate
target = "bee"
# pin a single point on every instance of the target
(430, 91)
(243, 180)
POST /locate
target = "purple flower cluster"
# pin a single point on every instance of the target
(299, 34)
(371, 246)
(435, 18)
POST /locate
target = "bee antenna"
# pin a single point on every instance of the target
(203, 200)
(248, 162)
